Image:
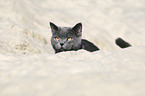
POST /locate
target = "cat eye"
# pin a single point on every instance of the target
(56, 38)
(69, 39)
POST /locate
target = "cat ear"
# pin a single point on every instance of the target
(53, 27)
(78, 29)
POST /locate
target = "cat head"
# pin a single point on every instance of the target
(66, 38)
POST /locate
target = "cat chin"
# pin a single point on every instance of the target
(61, 49)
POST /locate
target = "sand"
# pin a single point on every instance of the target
(29, 67)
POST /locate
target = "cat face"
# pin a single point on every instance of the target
(66, 38)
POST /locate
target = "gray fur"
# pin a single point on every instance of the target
(63, 33)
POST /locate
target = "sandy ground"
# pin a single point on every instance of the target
(29, 67)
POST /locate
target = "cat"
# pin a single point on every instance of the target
(69, 39)
(122, 43)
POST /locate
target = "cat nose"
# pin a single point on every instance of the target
(61, 44)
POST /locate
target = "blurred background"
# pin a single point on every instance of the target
(29, 67)
(103, 21)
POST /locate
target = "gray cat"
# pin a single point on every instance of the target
(69, 39)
